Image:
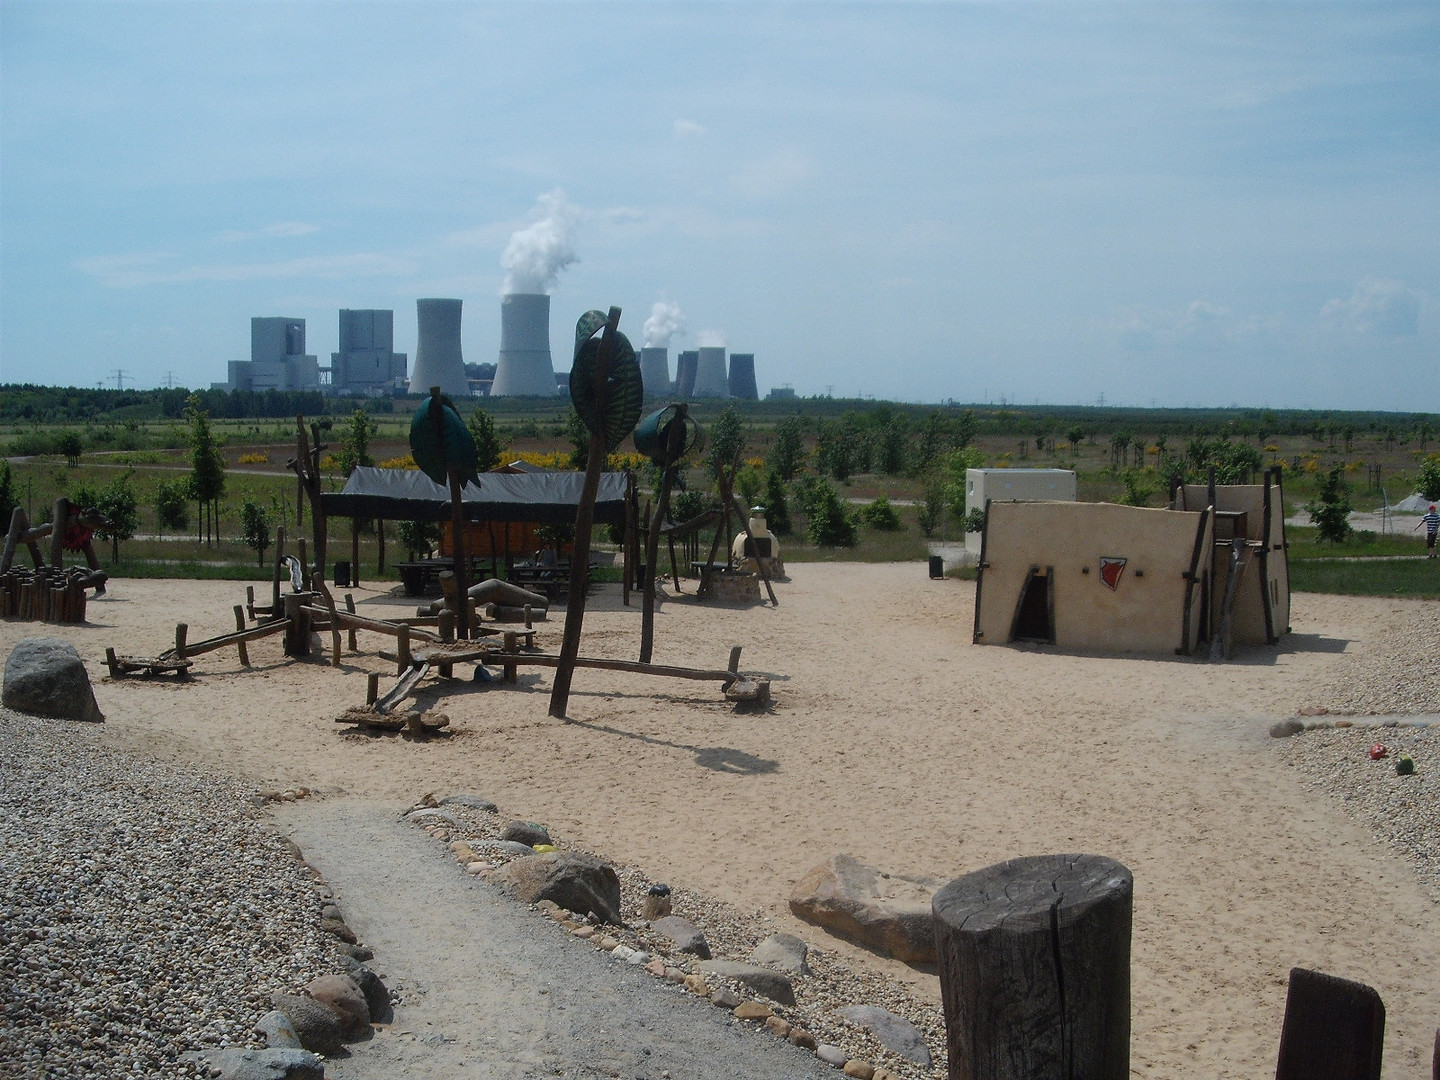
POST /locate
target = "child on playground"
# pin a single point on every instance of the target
(1431, 521)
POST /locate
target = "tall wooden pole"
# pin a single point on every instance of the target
(674, 447)
(457, 523)
(584, 523)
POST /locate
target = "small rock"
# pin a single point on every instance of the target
(697, 985)
(772, 984)
(525, 832)
(1286, 728)
(430, 816)
(355, 952)
(778, 1024)
(725, 999)
(785, 952)
(343, 994)
(583, 931)
(674, 975)
(1314, 710)
(473, 802)
(831, 1055)
(479, 866)
(377, 996)
(861, 1070)
(801, 1038)
(319, 1027)
(894, 1032)
(284, 1063)
(339, 929)
(278, 1031)
(685, 934)
(753, 1010)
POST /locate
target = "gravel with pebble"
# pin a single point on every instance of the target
(145, 910)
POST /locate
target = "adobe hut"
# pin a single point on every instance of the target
(1209, 569)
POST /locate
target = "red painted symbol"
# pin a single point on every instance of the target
(1110, 571)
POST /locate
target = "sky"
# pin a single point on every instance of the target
(1172, 204)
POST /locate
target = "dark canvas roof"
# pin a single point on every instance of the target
(409, 495)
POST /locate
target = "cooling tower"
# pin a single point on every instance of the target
(437, 350)
(524, 369)
(655, 370)
(742, 376)
(710, 377)
(685, 373)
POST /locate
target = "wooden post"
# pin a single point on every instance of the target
(354, 553)
(1035, 969)
(457, 518)
(380, 544)
(113, 663)
(350, 607)
(181, 630)
(1334, 1029)
(240, 625)
(297, 633)
(372, 687)
(584, 523)
(57, 531)
(402, 648)
(275, 578)
(674, 447)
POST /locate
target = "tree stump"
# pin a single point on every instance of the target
(1035, 969)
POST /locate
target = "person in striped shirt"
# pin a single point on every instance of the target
(1431, 521)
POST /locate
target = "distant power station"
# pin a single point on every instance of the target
(438, 361)
(524, 368)
(366, 362)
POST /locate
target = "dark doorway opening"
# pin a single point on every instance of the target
(1035, 613)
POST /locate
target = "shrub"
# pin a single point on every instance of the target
(1330, 512)
(881, 515)
(830, 522)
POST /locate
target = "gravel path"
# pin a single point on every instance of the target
(145, 910)
(1398, 673)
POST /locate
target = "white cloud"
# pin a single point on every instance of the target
(686, 128)
(1200, 315)
(1380, 306)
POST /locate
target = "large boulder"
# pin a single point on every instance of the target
(343, 994)
(784, 952)
(320, 1028)
(577, 882)
(886, 913)
(46, 677)
(272, 1064)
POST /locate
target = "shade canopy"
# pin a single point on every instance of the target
(407, 495)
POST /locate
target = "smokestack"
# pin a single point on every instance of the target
(437, 349)
(742, 376)
(524, 369)
(655, 370)
(710, 377)
(685, 373)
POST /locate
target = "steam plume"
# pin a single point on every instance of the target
(710, 339)
(537, 253)
(665, 321)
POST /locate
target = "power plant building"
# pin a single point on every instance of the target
(711, 379)
(742, 377)
(685, 369)
(278, 360)
(524, 368)
(367, 362)
(438, 360)
(655, 370)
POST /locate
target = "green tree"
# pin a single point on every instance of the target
(117, 504)
(578, 435)
(207, 469)
(1330, 512)
(891, 439)
(1076, 435)
(418, 537)
(830, 523)
(1428, 482)
(930, 514)
(777, 504)
(957, 463)
(355, 442)
(70, 444)
(172, 499)
(255, 527)
(787, 453)
(8, 499)
(488, 446)
(728, 439)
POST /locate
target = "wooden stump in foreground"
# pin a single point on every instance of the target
(1035, 969)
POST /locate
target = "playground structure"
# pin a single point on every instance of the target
(1211, 568)
(51, 592)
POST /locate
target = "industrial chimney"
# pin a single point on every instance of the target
(685, 373)
(437, 350)
(524, 369)
(655, 370)
(742, 376)
(710, 377)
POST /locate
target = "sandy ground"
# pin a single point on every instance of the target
(892, 738)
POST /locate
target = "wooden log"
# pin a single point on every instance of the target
(734, 664)
(350, 627)
(372, 687)
(185, 649)
(181, 630)
(240, 627)
(112, 663)
(1334, 1029)
(1034, 960)
(297, 621)
(725, 678)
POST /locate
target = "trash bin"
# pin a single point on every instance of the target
(937, 566)
(342, 574)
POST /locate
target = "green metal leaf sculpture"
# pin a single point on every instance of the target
(653, 435)
(439, 443)
(624, 390)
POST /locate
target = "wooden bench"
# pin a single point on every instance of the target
(552, 582)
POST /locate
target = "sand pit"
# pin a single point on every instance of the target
(893, 739)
